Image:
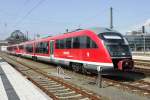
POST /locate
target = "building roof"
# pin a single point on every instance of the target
(3, 42)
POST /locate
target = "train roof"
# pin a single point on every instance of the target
(99, 30)
(96, 30)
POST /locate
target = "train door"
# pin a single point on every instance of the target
(51, 49)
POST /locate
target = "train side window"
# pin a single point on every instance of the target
(83, 42)
(57, 44)
(21, 47)
(62, 44)
(68, 43)
(37, 45)
(15, 47)
(76, 42)
(29, 48)
(45, 47)
(9, 48)
(42, 47)
(88, 42)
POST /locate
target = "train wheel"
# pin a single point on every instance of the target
(34, 58)
(74, 67)
(77, 67)
(84, 71)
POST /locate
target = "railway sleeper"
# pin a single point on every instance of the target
(63, 90)
(40, 78)
(42, 82)
(77, 96)
(85, 99)
(37, 79)
(52, 82)
(46, 85)
(81, 98)
(52, 86)
(66, 95)
(55, 85)
(58, 88)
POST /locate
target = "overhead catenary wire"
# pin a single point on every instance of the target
(29, 12)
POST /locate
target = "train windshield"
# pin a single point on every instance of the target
(116, 44)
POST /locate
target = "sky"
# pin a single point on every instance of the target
(51, 17)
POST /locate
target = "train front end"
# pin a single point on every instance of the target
(118, 48)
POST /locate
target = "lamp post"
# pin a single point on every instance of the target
(111, 18)
(144, 43)
(143, 31)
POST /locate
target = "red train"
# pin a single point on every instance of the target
(80, 50)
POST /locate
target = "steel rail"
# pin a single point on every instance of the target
(78, 90)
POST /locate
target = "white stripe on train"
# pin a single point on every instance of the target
(71, 60)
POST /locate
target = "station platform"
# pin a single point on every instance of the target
(14, 86)
(147, 58)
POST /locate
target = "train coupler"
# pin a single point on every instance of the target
(125, 64)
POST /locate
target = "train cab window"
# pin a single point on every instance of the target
(86, 42)
(29, 48)
(68, 43)
(41, 47)
(76, 42)
(93, 45)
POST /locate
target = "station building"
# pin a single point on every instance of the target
(138, 41)
(3, 45)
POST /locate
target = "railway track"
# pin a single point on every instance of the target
(140, 87)
(144, 66)
(142, 62)
(55, 87)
